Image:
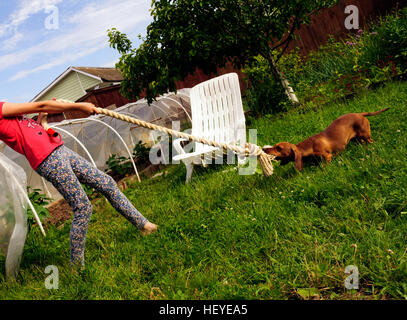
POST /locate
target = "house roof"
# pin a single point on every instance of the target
(102, 74)
(106, 74)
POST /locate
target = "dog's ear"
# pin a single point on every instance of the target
(267, 148)
(297, 157)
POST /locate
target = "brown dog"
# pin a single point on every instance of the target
(325, 144)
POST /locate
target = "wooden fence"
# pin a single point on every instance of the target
(331, 21)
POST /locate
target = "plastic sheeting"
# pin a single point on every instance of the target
(98, 141)
(13, 217)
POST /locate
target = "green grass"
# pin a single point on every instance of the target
(227, 236)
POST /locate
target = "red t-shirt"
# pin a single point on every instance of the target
(27, 137)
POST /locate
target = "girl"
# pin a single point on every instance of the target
(65, 169)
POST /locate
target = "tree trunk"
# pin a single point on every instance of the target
(284, 82)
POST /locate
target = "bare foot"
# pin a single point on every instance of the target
(148, 228)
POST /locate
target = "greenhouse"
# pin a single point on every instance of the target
(13, 218)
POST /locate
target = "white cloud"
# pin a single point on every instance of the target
(110, 64)
(29, 7)
(69, 57)
(24, 11)
(12, 42)
(87, 33)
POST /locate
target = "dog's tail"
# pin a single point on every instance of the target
(367, 114)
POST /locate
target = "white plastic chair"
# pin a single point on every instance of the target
(217, 114)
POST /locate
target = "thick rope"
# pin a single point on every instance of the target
(248, 150)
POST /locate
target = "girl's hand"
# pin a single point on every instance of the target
(88, 108)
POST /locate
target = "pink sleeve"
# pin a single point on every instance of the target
(1, 110)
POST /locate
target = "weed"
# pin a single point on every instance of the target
(39, 202)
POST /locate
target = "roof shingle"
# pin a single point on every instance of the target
(106, 74)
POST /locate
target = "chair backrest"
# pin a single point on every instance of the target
(217, 111)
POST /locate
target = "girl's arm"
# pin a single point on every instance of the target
(50, 106)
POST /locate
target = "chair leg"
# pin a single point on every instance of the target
(241, 160)
(190, 168)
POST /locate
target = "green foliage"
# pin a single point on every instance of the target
(119, 165)
(141, 152)
(205, 34)
(39, 202)
(264, 94)
(119, 41)
(388, 41)
(90, 192)
(342, 68)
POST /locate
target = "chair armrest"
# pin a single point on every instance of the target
(193, 154)
(177, 145)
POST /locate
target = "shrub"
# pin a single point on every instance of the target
(388, 41)
(118, 165)
(141, 152)
(39, 201)
(264, 94)
(341, 68)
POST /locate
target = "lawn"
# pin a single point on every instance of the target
(228, 236)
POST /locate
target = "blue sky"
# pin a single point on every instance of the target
(40, 39)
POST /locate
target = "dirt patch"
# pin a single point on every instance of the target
(59, 212)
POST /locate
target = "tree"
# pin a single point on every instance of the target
(206, 34)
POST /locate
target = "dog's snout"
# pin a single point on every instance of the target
(266, 148)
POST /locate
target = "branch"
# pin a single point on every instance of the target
(287, 40)
(293, 27)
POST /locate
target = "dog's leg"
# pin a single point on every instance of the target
(327, 156)
(364, 133)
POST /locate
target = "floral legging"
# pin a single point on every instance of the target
(66, 170)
